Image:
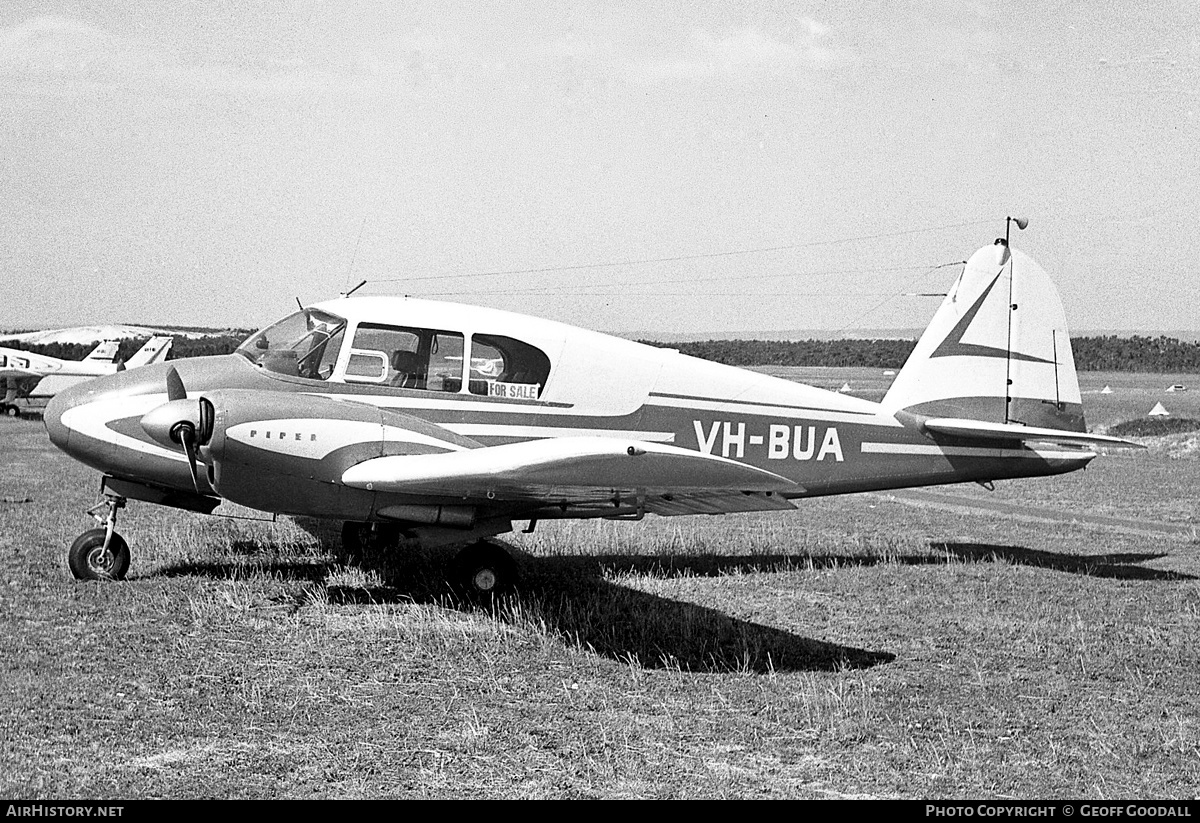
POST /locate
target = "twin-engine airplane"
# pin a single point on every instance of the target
(39, 377)
(447, 423)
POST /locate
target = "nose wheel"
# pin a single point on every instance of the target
(101, 553)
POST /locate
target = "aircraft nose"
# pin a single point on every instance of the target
(60, 404)
(64, 427)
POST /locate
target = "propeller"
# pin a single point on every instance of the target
(181, 422)
(175, 387)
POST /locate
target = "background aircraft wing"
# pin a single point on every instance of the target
(14, 372)
(1012, 431)
(579, 469)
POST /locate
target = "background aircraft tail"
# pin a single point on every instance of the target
(996, 351)
(105, 353)
(155, 351)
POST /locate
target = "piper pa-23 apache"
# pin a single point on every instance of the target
(39, 377)
(446, 423)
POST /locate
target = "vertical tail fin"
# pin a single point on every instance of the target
(155, 351)
(997, 350)
(105, 353)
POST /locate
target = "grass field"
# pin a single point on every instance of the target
(864, 646)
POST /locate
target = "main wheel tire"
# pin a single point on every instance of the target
(366, 542)
(484, 570)
(12, 411)
(89, 561)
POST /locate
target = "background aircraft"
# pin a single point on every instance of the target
(376, 411)
(37, 377)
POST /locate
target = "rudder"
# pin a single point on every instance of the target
(997, 350)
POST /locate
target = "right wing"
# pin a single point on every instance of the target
(580, 469)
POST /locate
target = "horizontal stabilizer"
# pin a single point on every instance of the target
(1012, 431)
(576, 467)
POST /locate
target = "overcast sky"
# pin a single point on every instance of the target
(680, 167)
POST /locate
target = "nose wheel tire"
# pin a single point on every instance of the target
(483, 570)
(90, 560)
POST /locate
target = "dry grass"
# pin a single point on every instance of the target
(860, 647)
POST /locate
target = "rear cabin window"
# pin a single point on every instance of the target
(407, 358)
(508, 368)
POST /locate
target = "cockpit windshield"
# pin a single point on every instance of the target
(305, 344)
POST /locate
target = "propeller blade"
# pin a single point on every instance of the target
(175, 389)
(187, 436)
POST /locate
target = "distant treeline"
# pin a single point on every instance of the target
(1111, 353)
(884, 354)
(182, 347)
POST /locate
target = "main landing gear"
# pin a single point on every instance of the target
(101, 553)
(481, 570)
(484, 570)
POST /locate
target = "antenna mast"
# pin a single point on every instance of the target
(1021, 222)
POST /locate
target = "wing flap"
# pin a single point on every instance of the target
(717, 503)
(574, 466)
(1011, 431)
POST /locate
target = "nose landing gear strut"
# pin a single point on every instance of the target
(101, 553)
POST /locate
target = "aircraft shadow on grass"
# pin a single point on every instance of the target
(1119, 566)
(574, 598)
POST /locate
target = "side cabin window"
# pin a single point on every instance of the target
(508, 368)
(406, 357)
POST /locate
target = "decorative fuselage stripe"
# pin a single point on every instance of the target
(92, 420)
(975, 451)
(727, 402)
(317, 438)
(448, 402)
(824, 415)
(531, 432)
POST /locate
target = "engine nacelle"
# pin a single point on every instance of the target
(289, 458)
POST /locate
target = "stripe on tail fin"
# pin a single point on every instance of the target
(996, 351)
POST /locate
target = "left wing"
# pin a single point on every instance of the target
(571, 468)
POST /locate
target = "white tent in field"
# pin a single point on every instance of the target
(845, 387)
(1158, 411)
(1106, 390)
